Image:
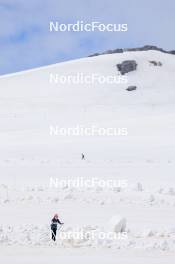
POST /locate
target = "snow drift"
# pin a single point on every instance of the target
(117, 224)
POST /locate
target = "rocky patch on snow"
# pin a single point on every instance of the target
(144, 48)
(127, 66)
(131, 88)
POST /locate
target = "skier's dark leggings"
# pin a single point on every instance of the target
(54, 233)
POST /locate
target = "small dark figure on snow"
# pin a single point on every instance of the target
(54, 224)
(82, 156)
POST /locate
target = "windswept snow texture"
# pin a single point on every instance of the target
(144, 160)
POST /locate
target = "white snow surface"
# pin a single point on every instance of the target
(144, 160)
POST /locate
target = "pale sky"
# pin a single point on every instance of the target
(25, 40)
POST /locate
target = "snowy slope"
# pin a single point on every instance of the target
(29, 155)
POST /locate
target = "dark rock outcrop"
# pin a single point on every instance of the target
(131, 88)
(94, 55)
(172, 52)
(113, 51)
(144, 48)
(127, 66)
(107, 52)
(155, 63)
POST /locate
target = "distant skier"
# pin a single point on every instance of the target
(82, 156)
(54, 224)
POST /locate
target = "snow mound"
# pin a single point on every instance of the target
(117, 224)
